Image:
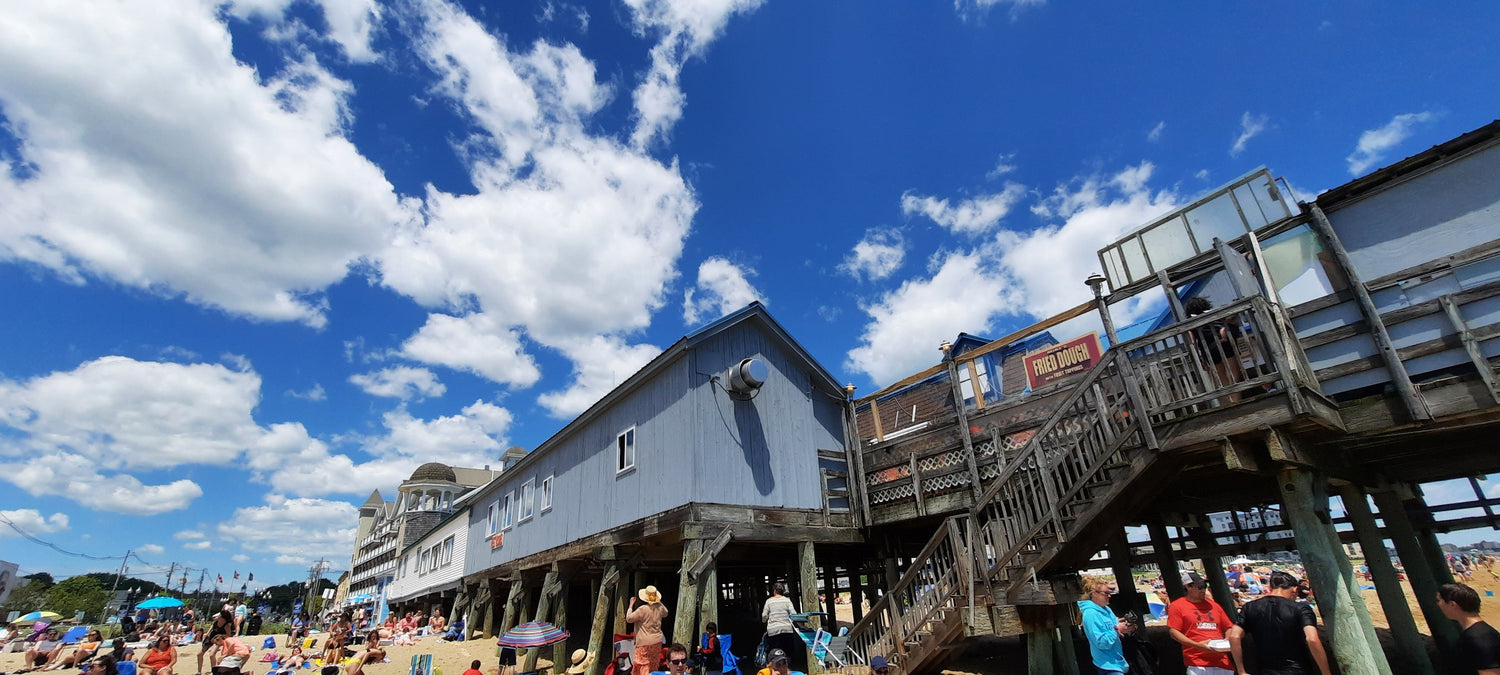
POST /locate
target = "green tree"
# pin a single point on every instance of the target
(28, 598)
(77, 593)
(42, 578)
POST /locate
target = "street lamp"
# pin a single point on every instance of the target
(1095, 282)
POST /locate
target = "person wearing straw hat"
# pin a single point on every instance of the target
(581, 660)
(647, 618)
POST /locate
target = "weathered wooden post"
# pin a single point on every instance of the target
(1064, 659)
(602, 603)
(686, 611)
(809, 577)
(543, 610)
(857, 589)
(1039, 652)
(1423, 582)
(560, 651)
(1161, 547)
(1411, 654)
(708, 590)
(1304, 503)
(1129, 597)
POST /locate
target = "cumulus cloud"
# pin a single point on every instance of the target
(188, 535)
(350, 22)
(1250, 127)
(1011, 275)
(31, 521)
(722, 288)
(1375, 143)
(684, 29)
(314, 394)
(201, 545)
(1005, 164)
(403, 382)
(876, 256)
(240, 558)
(162, 163)
(475, 343)
(599, 364)
(325, 529)
(970, 216)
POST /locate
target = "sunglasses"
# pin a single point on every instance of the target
(679, 661)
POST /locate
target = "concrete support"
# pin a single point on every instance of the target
(1355, 647)
(1130, 598)
(1039, 652)
(686, 611)
(1410, 654)
(1161, 547)
(602, 602)
(808, 564)
(1423, 582)
(543, 613)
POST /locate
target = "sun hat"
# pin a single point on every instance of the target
(580, 659)
(649, 594)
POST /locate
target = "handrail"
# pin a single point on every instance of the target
(934, 577)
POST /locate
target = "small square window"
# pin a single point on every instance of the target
(508, 511)
(528, 499)
(625, 451)
(547, 493)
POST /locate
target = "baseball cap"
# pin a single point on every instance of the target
(775, 656)
(1192, 579)
(878, 663)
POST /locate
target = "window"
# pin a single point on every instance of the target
(448, 550)
(546, 493)
(494, 522)
(423, 562)
(528, 499)
(508, 511)
(981, 367)
(625, 451)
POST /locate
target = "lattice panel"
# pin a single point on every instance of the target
(941, 483)
(884, 476)
(894, 494)
(941, 461)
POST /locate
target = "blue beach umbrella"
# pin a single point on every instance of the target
(161, 602)
(533, 634)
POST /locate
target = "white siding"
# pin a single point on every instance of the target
(412, 581)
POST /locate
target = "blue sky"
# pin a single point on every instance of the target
(264, 256)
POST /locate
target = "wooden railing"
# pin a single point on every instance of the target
(1030, 507)
(1210, 360)
(935, 582)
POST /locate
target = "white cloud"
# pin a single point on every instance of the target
(313, 394)
(973, 10)
(403, 382)
(162, 163)
(297, 530)
(1374, 143)
(685, 29)
(1004, 164)
(1202, 174)
(1035, 274)
(202, 545)
(600, 363)
(350, 22)
(240, 558)
(150, 549)
(188, 535)
(32, 522)
(1155, 134)
(722, 288)
(476, 343)
(876, 256)
(1250, 127)
(971, 216)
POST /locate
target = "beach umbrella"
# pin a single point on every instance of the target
(161, 602)
(34, 617)
(533, 634)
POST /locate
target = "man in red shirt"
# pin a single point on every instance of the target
(1200, 624)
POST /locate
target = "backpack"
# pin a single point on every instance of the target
(1140, 654)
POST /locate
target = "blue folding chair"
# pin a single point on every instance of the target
(731, 664)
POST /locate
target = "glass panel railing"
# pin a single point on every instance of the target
(1243, 205)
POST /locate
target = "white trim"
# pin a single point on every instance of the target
(546, 494)
(526, 505)
(507, 511)
(627, 443)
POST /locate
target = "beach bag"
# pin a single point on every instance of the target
(763, 649)
(1140, 654)
(270, 643)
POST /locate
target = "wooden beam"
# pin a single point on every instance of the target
(687, 594)
(710, 552)
(1414, 403)
(808, 566)
(561, 655)
(543, 613)
(601, 620)
(1481, 363)
(1410, 653)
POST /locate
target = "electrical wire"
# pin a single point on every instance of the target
(36, 540)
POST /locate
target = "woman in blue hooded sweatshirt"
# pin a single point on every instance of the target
(1102, 628)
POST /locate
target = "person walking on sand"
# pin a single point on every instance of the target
(780, 632)
(647, 618)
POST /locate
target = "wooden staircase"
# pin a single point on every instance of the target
(1088, 452)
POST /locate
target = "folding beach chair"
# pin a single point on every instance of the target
(74, 635)
(731, 663)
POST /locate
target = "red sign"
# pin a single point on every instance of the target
(1054, 363)
(496, 540)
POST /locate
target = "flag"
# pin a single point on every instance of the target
(243, 587)
(221, 578)
(236, 574)
(252, 577)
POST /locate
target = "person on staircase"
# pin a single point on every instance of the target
(1102, 628)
